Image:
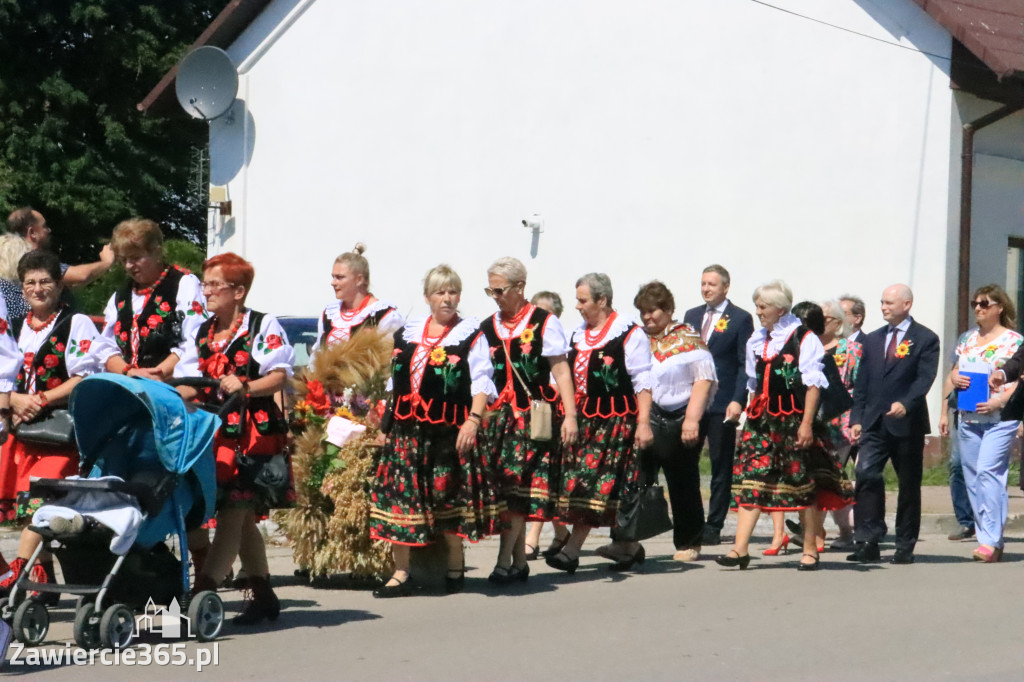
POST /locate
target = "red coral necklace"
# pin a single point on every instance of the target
(149, 290)
(218, 346)
(593, 340)
(36, 327)
(512, 323)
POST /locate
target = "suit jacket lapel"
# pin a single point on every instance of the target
(890, 366)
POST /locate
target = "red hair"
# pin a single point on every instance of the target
(237, 271)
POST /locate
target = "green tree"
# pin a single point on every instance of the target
(72, 142)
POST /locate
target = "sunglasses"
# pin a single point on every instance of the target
(496, 292)
(984, 305)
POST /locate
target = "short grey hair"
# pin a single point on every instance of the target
(441, 277)
(600, 286)
(858, 307)
(512, 269)
(720, 271)
(552, 298)
(776, 293)
(833, 308)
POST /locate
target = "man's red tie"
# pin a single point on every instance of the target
(890, 351)
(705, 329)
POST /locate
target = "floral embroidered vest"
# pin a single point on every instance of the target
(371, 320)
(781, 389)
(159, 321)
(445, 395)
(48, 363)
(263, 411)
(609, 388)
(525, 350)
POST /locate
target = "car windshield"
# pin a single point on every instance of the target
(301, 333)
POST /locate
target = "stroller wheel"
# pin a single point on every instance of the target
(31, 622)
(206, 614)
(117, 627)
(87, 626)
(6, 610)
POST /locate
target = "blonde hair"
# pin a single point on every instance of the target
(137, 234)
(12, 248)
(776, 293)
(441, 277)
(512, 269)
(833, 308)
(355, 262)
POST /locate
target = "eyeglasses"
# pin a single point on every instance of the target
(984, 305)
(40, 284)
(217, 286)
(497, 292)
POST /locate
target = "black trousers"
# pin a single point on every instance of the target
(682, 475)
(877, 446)
(721, 438)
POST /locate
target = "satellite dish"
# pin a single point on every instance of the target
(207, 83)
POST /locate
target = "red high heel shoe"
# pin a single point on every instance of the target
(775, 551)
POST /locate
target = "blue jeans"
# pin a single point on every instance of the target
(985, 455)
(957, 487)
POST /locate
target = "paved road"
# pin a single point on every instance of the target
(942, 618)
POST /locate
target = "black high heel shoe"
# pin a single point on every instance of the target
(556, 547)
(402, 589)
(638, 558)
(732, 561)
(808, 567)
(563, 563)
(507, 576)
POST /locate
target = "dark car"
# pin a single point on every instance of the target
(301, 333)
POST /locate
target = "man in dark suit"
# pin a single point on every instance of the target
(890, 419)
(725, 329)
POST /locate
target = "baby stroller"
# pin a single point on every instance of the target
(162, 453)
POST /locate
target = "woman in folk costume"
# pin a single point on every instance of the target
(611, 365)
(528, 347)
(248, 352)
(355, 308)
(431, 482)
(55, 350)
(784, 461)
(152, 320)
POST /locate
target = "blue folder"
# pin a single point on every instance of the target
(967, 400)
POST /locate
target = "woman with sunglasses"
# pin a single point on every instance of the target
(355, 307)
(151, 320)
(55, 350)
(986, 432)
(528, 347)
(248, 352)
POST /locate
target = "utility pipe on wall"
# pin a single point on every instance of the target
(966, 183)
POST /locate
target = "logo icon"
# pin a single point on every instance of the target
(167, 621)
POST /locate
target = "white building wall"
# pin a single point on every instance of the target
(654, 138)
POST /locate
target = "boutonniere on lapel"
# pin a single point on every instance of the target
(903, 350)
(840, 359)
(722, 324)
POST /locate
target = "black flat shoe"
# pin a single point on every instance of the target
(866, 553)
(507, 576)
(902, 557)
(455, 584)
(733, 561)
(563, 562)
(532, 553)
(808, 567)
(638, 558)
(402, 589)
(795, 527)
(556, 547)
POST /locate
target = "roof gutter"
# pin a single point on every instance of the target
(966, 184)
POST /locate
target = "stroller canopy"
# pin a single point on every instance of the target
(105, 405)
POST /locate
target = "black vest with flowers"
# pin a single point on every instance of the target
(445, 395)
(609, 388)
(159, 320)
(262, 411)
(779, 378)
(48, 364)
(371, 321)
(526, 351)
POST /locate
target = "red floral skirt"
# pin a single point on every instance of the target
(19, 462)
(596, 469)
(528, 470)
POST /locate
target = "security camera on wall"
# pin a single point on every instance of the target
(534, 222)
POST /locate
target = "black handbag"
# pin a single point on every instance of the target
(270, 474)
(835, 399)
(53, 428)
(643, 513)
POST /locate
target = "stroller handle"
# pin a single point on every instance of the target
(234, 402)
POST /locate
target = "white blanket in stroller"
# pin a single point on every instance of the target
(117, 511)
